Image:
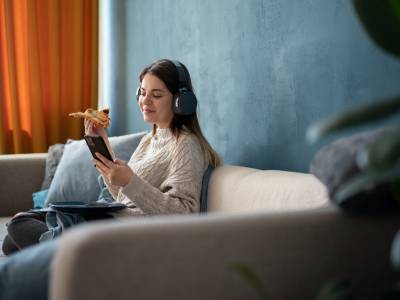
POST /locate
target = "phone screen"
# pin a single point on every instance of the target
(97, 144)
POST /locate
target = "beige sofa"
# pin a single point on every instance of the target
(279, 224)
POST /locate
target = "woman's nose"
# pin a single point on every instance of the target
(146, 99)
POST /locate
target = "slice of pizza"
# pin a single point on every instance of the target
(98, 116)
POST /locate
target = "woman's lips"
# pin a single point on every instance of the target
(147, 111)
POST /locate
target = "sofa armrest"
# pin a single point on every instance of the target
(21, 175)
(190, 257)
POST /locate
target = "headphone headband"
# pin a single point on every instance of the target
(181, 74)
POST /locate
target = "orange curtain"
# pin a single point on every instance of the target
(48, 68)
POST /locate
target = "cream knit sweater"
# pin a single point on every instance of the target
(167, 176)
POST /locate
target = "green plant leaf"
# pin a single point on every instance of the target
(383, 153)
(335, 290)
(395, 251)
(251, 278)
(356, 115)
(395, 189)
(381, 19)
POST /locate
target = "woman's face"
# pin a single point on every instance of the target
(155, 101)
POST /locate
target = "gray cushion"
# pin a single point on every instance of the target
(336, 163)
(76, 178)
(52, 160)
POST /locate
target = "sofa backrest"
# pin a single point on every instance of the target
(236, 189)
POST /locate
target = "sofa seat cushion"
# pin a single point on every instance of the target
(240, 189)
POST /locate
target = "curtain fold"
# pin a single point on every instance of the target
(48, 68)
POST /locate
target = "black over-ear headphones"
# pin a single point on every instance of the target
(184, 102)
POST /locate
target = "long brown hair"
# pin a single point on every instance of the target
(166, 71)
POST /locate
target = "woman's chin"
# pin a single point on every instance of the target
(148, 120)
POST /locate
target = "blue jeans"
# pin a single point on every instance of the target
(25, 274)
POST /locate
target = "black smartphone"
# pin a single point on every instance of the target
(97, 144)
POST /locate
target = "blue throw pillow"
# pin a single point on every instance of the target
(39, 198)
(76, 178)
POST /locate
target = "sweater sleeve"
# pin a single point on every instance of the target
(180, 192)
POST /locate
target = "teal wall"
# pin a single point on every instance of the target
(263, 70)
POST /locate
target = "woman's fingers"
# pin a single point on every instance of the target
(102, 172)
(99, 164)
(104, 160)
(120, 162)
(117, 173)
(93, 128)
(88, 127)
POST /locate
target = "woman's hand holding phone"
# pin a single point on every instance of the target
(92, 128)
(117, 172)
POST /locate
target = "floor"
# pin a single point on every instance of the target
(3, 231)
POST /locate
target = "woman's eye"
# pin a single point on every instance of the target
(157, 96)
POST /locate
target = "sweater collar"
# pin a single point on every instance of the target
(163, 133)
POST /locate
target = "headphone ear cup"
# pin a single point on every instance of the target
(184, 103)
(175, 104)
(138, 94)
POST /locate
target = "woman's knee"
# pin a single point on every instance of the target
(23, 224)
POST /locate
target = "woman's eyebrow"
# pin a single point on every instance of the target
(154, 90)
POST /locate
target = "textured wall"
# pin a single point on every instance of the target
(263, 70)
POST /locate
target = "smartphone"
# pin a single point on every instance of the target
(97, 144)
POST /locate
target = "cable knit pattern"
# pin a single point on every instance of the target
(167, 176)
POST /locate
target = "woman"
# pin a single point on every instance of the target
(164, 174)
